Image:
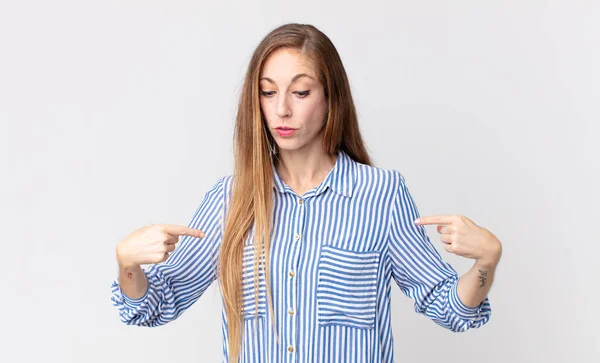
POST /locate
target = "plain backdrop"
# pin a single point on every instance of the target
(115, 114)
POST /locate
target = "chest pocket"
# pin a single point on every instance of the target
(248, 296)
(347, 287)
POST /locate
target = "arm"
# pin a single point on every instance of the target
(463, 237)
(132, 281)
(421, 274)
(473, 287)
(165, 290)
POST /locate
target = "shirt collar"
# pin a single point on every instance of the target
(341, 178)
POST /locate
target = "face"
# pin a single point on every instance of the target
(292, 100)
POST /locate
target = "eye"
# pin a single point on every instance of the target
(302, 94)
(267, 93)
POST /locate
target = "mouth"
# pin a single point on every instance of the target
(284, 131)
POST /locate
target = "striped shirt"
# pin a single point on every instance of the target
(334, 253)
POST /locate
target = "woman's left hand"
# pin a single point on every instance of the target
(463, 237)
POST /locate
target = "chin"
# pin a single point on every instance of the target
(288, 147)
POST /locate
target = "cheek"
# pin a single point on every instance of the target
(314, 111)
(267, 110)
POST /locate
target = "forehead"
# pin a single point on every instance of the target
(285, 63)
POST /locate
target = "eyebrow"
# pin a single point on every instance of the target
(293, 79)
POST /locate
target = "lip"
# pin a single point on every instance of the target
(285, 131)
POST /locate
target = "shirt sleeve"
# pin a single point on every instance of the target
(177, 283)
(420, 272)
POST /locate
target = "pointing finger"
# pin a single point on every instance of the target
(442, 219)
(175, 230)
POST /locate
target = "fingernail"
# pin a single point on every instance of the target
(417, 220)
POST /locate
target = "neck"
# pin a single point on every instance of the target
(304, 169)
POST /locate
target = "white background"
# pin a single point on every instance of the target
(115, 114)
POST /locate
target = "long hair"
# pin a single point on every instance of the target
(251, 203)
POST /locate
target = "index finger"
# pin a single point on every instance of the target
(176, 230)
(435, 220)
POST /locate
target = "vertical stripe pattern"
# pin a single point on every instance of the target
(334, 253)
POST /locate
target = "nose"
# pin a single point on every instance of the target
(283, 109)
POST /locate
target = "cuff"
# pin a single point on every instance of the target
(146, 308)
(133, 303)
(462, 310)
(119, 297)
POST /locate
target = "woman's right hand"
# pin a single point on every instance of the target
(151, 244)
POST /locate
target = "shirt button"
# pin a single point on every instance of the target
(297, 236)
(299, 201)
(290, 349)
(292, 274)
(291, 311)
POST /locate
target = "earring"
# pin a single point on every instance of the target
(272, 148)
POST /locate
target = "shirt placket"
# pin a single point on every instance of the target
(292, 278)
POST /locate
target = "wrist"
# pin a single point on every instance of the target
(123, 261)
(485, 264)
(492, 254)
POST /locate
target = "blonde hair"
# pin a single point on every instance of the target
(251, 201)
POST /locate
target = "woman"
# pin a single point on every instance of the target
(336, 229)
